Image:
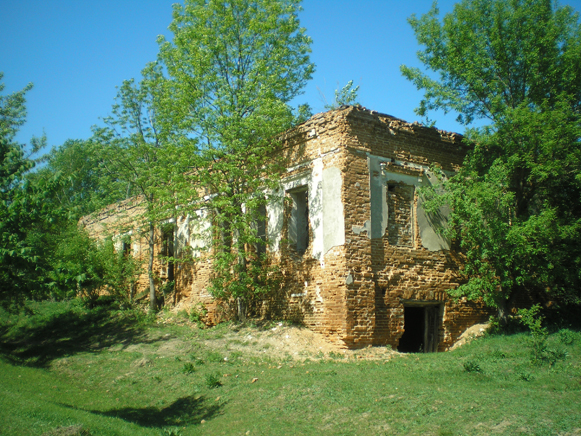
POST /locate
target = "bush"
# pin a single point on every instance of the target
(197, 314)
(540, 351)
(567, 336)
(87, 268)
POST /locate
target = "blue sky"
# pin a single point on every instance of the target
(76, 52)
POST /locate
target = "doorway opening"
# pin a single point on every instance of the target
(421, 325)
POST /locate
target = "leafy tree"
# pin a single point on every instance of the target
(84, 186)
(42, 251)
(24, 216)
(233, 67)
(515, 203)
(137, 154)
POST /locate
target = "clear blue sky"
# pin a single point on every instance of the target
(76, 52)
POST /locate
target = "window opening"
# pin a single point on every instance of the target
(126, 246)
(299, 219)
(400, 217)
(261, 230)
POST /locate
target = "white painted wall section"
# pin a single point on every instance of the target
(316, 209)
(333, 209)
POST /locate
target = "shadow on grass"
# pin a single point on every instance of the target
(184, 411)
(45, 338)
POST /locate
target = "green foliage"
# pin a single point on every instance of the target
(567, 336)
(526, 375)
(541, 352)
(199, 131)
(83, 267)
(85, 187)
(344, 96)
(254, 278)
(167, 288)
(491, 56)
(514, 204)
(17, 256)
(188, 368)
(171, 431)
(232, 69)
(197, 314)
(43, 253)
(29, 223)
(138, 153)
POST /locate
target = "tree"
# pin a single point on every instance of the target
(137, 153)
(43, 253)
(85, 186)
(22, 211)
(515, 203)
(233, 67)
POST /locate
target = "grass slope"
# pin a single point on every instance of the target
(115, 374)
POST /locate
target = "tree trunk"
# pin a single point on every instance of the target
(241, 267)
(503, 309)
(503, 313)
(152, 298)
(241, 309)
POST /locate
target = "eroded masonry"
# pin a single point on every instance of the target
(363, 262)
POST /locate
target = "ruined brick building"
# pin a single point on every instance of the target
(364, 263)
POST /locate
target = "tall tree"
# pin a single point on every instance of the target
(138, 154)
(42, 251)
(516, 202)
(233, 67)
(26, 219)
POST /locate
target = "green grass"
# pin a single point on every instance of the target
(118, 375)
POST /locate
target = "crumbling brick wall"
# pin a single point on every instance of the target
(370, 253)
(393, 268)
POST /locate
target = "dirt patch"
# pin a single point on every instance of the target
(282, 341)
(277, 341)
(272, 340)
(470, 333)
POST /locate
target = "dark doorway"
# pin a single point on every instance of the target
(421, 324)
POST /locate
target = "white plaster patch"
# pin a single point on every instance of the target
(349, 279)
(316, 209)
(319, 298)
(333, 214)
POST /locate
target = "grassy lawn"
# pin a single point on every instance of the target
(115, 373)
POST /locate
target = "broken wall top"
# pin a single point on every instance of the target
(375, 133)
(121, 216)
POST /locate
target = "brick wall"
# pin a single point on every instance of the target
(354, 293)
